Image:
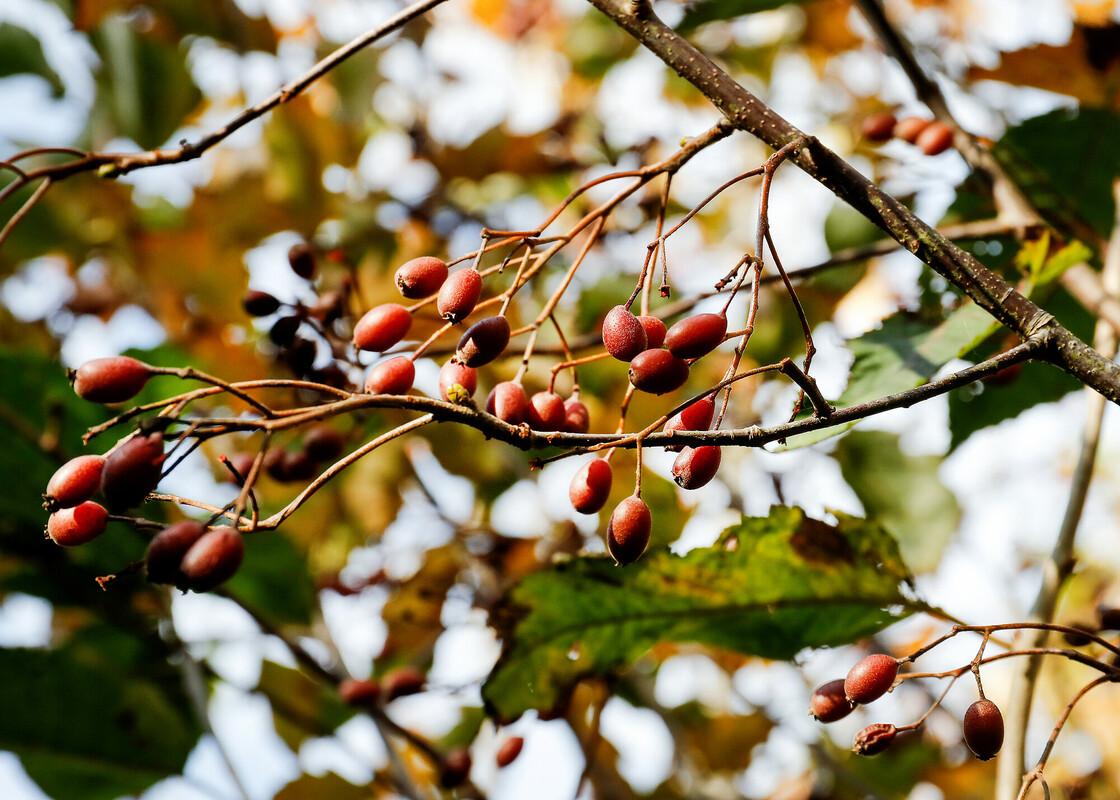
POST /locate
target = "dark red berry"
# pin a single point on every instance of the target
(1080, 636)
(983, 729)
(874, 739)
(274, 464)
(167, 548)
(878, 127)
(828, 703)
(546, 412)
(359, 693)
(382, 327)
(909, 128)
(623, 334)
(459, 295)
(696, 466)
(871, 678)
(298, 466)
(655, 331)
(507, 402)
(696, 336)
(509, 751)
(283, 331)
(455, 769)
(301, 257)
(75, 481)
(591, 486)
(300, 356)
(935, 139)
(132, 471)
(212, 560)
(70, 527)
(259, 304)
(577, 419)
(421, 277)
(1108, 617)
(111, 380)
(628, 531)
(393, 376)
(483, 342)
(323, 443)
(454, 374)
(402, 681)
(658, 372)
(696, 417)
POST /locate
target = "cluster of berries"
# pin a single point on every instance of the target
(932, 137)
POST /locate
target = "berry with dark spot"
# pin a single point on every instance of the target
(483, 342)
(696, 466)
(459, 295)
(829, 704)
(421, 277)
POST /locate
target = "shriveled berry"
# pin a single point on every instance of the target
(628, 531)
(70, 527)
(546, 412)
(283, 331)
(696, 466)
(382, 327)
(983, 729)
(696, 336)
(874, 739)
(624, 336)
(402, 681)
(878, 127)
(454, 374)
(324, 443)
(132, 470)
(393, 376)
(509, 751)
(655, 330)
(591, 486)
(459, 294)
(1108, 617)
(909, 128)
(507, 402)
(111, 380)
(167, 548)
(75, 481)
(259, 304)
(658, 372)
(455, 769)
(871, 678)
(298, 466)
(301, 258)
(483, 342)
(935, 139)
(421, 277)
(212, 560)
(577, 419)
(828, 703)
(359, 692)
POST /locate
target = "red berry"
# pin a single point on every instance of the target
(273, 465)
(983, 729)
(658, 372)
(696, 466)
(909, 128)
(298, 466)
(507, 402)
(394, 376)
(455, 374)
(509, 751)
(871, 678)
(76, 480)
(302, 260)
(402, 681)
(655, 331)
(624, 336)
(212, 560)
(382, 327)
(83, 523)
(421, 277)
(359, 693)
(167, 548)
(828, 703)
(323, 443)
(628, 531)
(935, 139)
(259, 304)
(455, 769)
(577, 419)
(874, 739)
(111, 380)
(591, 486)
(132, 470)
(696, 336)
(878, 127)
(696, 417)
(459, 295)
(546, 412)
(483, 342)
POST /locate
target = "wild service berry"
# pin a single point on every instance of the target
(359, 692)
(909, 128)
(628, 531)
(1080, 635)
(283, 331)
(871, 678)
(329, 307)
(212, 560)
(382, 327)
(110, 380)
(546, 412)
(75, 481)
(577, 419)
(459, 294)
(454, 374)
(273, 465)
(695, 417)
(696, 466)
(301, 355)
(323, 443)
(655, 331)
(696, 336)
(455, 769)
(392, 376)
(874, 739)
(935, 139)
(132, 470)
(167, 548)
(1108, 617)
(259, 304)
(509, 751)
(658, 372)
(624, 336)
(983, 729)
(507, 402)
(483, 342)
(591, 486)
(421, 277)
(878, 127)
(402, 681)
(298, 466)
(301, 258)
(70, 527)
(828, 703)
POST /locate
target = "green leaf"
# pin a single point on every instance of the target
(774, 586)
(902, 493)
(21, 53)
(702, 11)
(274, 579)
(302, 708)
